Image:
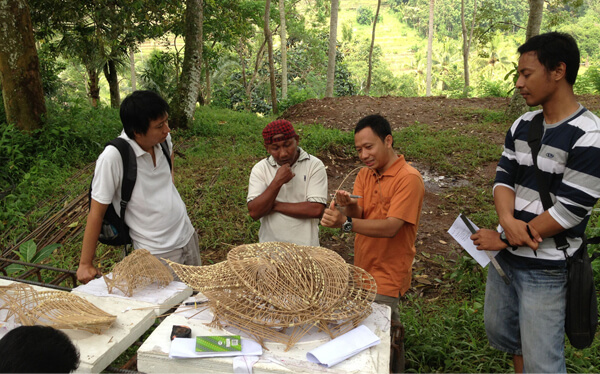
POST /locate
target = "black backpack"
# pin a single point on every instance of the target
(114, 231)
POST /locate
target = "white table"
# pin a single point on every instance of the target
(97, 351)
(153, 355)
(160, 298)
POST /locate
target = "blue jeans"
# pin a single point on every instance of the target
(527, 317)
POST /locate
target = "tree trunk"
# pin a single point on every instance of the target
(429, 48)
(208, 87)
(93, 86)
(467, 43)
(188, 88)
(368, 88)
(132, 69)
(249, 83)
(269, 40)
(110, 73)
(282, 32)
(333, 23)
(517, 104)
(22, 90)
(536, 11)
(240, 51)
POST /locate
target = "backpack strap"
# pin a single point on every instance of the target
(534, 140)
(129, 171)
(165, 148)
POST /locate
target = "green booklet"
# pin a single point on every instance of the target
(219, 343)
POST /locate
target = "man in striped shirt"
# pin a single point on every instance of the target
(526, 318)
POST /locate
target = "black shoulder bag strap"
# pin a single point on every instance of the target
(165, 148)
(129, 171)
(534, 139)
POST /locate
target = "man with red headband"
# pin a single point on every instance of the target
(288, 189)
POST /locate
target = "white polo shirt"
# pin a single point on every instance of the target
(309, 184)
(156, 214)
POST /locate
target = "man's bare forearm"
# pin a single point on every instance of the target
(305, 209)
(377, 228)
(353, 210)
(263, 204)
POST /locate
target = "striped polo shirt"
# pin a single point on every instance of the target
(569, 157)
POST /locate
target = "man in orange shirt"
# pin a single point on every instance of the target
(386, 213)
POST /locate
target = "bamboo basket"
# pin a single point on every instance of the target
(279, 291)
(59, 309)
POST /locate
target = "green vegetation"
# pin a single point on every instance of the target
(42, 171)
(28, 252)
(444, 333)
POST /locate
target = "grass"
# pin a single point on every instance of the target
(451, 152)
(212, 165)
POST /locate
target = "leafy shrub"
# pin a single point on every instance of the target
(365, 16)
(159, 74)
(295, 96)
(347, 32)
(32, 164)
(50, 68)
(488, 88)
(15, 149)
(588, 82)
(343, 85)
(452, 85)
(407, 86)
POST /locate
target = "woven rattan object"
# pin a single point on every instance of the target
(137, 271)
(59, 309)
(279, 291)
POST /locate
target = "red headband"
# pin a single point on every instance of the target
(279, 127)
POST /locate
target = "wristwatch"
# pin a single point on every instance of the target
(505, 240)
(347, 226)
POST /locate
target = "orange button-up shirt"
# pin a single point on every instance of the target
(397, 193)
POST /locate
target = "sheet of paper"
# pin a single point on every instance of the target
(343, 347)
(186, 348)
(244, 364)
(461, 234)
(151, 293)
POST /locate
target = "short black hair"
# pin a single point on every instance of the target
(552, 48)
(37, 349)
(380, 126)
(138, 109)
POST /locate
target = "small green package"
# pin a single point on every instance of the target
(219, 343)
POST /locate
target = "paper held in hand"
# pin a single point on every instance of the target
(461, 233)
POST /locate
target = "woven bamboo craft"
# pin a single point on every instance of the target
(279, 291)
(59, 309)
(137, 271)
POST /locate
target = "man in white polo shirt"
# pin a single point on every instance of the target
(288, 189)
(156, 214)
